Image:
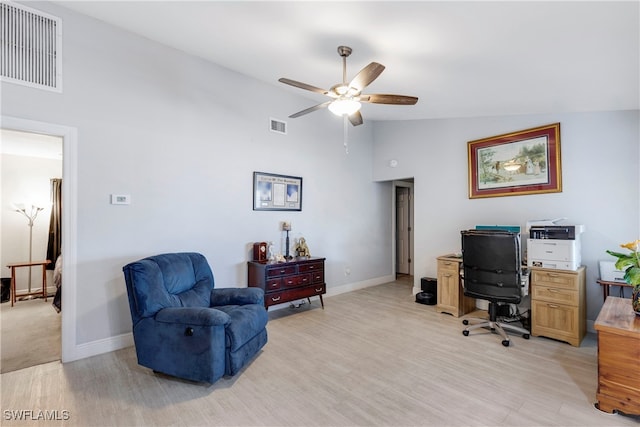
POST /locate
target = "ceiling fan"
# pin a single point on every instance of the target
(346, 97)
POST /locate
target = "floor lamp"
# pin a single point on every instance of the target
(31, 217)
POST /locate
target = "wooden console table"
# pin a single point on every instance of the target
(618, 354)
(13, 267)
(606, 284)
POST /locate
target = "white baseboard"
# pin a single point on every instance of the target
(105, 345)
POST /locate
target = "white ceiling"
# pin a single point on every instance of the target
(462, 59)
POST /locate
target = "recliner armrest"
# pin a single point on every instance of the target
(197, 316)
(236, 296)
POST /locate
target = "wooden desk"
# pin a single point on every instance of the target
(618, 354)
(13, 267)
(606, 284)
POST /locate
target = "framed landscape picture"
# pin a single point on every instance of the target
(272, 192)
(517, 163)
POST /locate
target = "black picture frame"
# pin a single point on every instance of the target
(274, 192)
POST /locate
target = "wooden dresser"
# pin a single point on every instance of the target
(558, 304)
(450, 296)
(618, 331)
(282, 282)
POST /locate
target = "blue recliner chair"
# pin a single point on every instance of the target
(184, 327)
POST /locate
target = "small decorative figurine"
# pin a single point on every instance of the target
(271, 253)
(302, 250)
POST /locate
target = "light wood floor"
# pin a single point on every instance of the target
(372, 358)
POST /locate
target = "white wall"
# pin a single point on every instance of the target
(600, 157)
(25, 179)
(183, 136)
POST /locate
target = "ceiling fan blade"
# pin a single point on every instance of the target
(303, 86)
(356, 118)
(310, 109)
(366, 76)
(389, 99)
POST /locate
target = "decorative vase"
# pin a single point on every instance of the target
(635, 299)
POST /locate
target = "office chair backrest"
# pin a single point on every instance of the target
(491, 265)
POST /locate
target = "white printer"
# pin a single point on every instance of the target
(554, 246)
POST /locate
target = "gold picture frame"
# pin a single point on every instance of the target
(517, 163)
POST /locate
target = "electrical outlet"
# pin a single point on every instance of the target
(347, 271)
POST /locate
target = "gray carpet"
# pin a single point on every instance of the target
(30, 334)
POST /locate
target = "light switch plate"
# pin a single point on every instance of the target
(120, 199)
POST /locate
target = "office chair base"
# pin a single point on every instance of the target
(495, 326)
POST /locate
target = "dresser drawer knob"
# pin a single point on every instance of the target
(319, 290)
(275, 299)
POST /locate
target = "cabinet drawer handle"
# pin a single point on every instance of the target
(553, 274)
(319, 290)
(553, 306)
(311, 267)
(283, 271)
(447, 275)
(304, 279)
(275, 299)
(552, 290)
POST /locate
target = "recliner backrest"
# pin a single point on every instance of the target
(168, 280)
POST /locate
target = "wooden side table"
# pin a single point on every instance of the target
(606, 284)
(618, 354)
(13, 267)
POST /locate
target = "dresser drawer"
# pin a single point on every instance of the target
(315, 266)
(281, 271)
(298, 280)
(555, 295)
(273, 284)
(273, 298)
(554, 279)
(317, 276)
(451, 266)
(304, 292)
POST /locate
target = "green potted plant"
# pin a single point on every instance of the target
(630, 263)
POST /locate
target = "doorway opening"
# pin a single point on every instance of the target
(403, 240)
(32, 167)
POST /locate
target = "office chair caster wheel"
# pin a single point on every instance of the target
(525, 336)
(465, 333)
(505, 343)
(465, 322)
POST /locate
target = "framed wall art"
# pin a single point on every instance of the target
(517, 163)
(273, 192)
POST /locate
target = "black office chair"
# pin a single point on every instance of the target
(491, 271)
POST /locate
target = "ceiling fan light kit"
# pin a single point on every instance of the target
(347, 106)
(347, 98)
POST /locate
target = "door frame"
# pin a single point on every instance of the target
(394, 185)
(69, 137)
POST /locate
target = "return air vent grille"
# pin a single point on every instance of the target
(31, 47)
(278, 126)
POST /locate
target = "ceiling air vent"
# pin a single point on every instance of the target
(278, 126)
(30, 44)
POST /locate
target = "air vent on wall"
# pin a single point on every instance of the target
(30, 44)
(278, 126)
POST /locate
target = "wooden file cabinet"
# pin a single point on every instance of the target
(451, 298)
(288, 281)
(558, 306)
